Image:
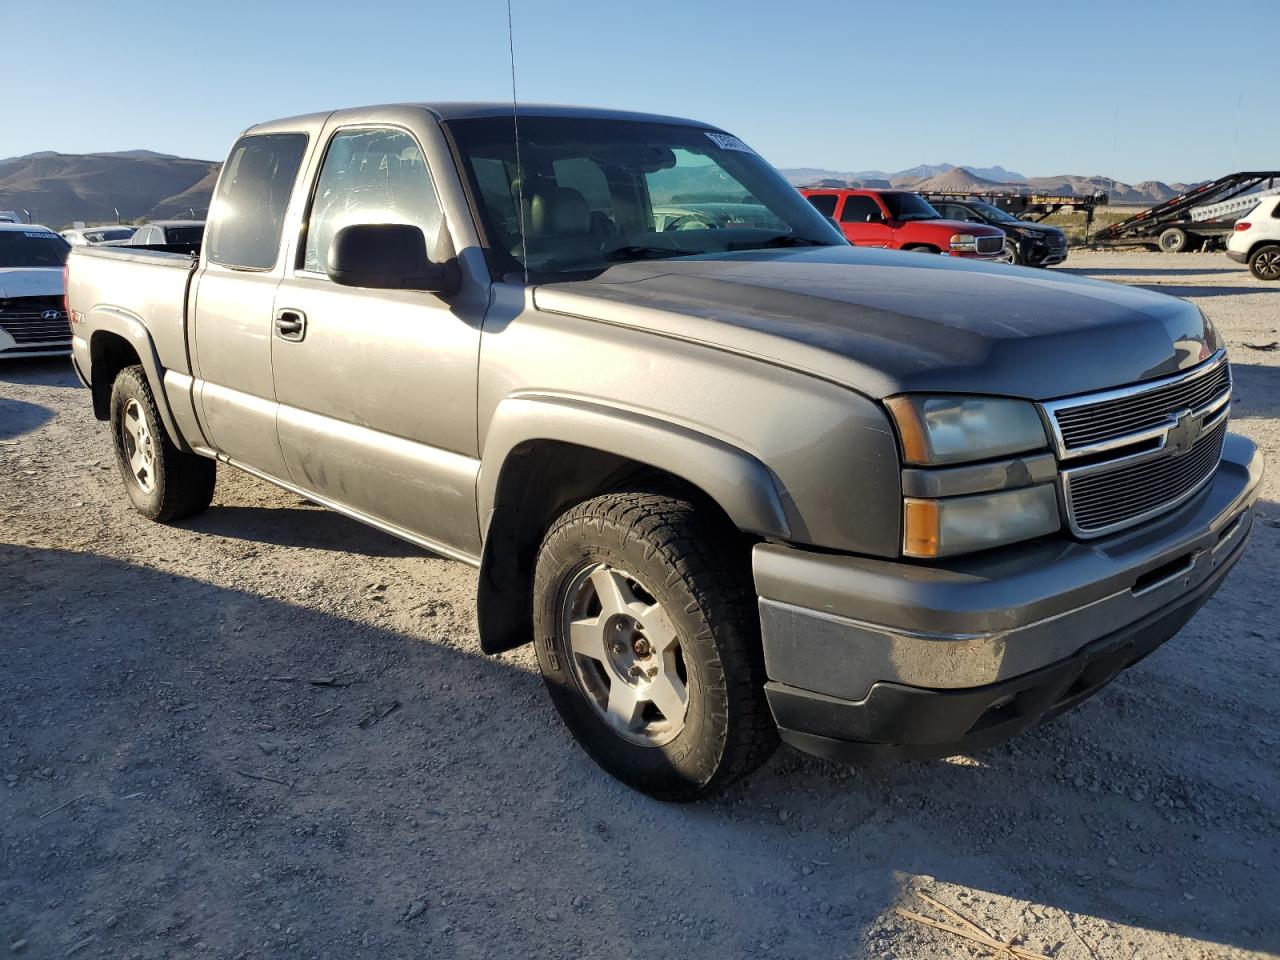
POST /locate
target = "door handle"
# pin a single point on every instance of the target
(291, 324)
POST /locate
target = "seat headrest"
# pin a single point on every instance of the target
(559, 211)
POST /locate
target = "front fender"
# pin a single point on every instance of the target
(743, 486)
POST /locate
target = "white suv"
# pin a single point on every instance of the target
(1256, 240)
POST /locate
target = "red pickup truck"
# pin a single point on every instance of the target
(904, 221)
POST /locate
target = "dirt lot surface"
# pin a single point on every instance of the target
(197, 758)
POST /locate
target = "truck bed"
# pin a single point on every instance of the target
(150, 283)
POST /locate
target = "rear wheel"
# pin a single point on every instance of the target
(163, 482)
(1174, 240)
(647, 638)
(1264, 263)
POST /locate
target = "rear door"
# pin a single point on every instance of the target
(377, 389)
(863, 222)
(232, 315)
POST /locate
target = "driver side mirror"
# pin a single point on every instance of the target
(388, 256)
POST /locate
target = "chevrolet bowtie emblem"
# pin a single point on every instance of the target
(1184, 433)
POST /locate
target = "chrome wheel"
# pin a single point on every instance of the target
(625, 654)
(139, 445)
(1008, 254)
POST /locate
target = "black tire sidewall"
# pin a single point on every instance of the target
(131, 385)
(1017, 253)
(1178, 246)
(1257, 256)
(682, 768)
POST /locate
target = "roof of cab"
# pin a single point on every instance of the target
(469, 111)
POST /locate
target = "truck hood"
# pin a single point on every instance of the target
(886, 322)
(1027, 226)
(954, 226)
(30, 282)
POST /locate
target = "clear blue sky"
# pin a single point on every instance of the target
(1064, 87)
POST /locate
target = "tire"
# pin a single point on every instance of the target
(1010, 255)
(163, 482)
(641, 599)
(1174, 240)
(921, 249)
(1264, 263)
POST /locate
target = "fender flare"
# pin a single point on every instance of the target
(130, 328)
(740, 483)
(737, 481)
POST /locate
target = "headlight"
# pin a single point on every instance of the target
(940, 528)
(941, 430)
(964, 241)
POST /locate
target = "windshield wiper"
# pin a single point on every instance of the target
(781, 240)
(637, 252)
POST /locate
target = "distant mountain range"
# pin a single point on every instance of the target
(951, 178)
(60, 188)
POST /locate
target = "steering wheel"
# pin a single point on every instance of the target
(692, 221)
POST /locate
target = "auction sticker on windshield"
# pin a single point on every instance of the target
(726, 142)
(40, 233)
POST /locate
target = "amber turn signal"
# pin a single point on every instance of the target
(920, 527)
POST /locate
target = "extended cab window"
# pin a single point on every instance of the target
(825, 204)
(859, 209)
(248, 209)
(370, 176)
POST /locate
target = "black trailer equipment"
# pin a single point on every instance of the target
(1200, 219)
(1028, 206)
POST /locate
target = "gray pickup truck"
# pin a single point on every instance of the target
(734, 478)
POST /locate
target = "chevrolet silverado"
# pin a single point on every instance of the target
(735, 481)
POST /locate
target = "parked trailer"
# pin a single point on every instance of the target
(1028, 206)
(1200, 219)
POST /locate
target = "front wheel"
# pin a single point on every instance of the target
(163, 482)
(1009, 254)
(648, 640)
(1265, 262)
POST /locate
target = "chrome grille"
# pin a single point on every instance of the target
(990, 244)
(1121, 495)
(31, 320)
(1085, 425)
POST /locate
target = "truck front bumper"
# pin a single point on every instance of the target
(873, 660)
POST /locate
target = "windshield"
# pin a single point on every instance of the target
(994, 213)
(32, 248)
(909, 206)
(592, 193)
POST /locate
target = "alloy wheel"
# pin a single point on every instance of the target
(139, 445)
(625, 654)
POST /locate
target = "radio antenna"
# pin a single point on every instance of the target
(515, 123)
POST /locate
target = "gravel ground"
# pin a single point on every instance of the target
(197, 757)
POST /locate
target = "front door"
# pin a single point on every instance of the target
(863, 222)
(377, 388)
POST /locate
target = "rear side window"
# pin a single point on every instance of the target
(824, 203)
(859, 209)
(370, 176)
(248, 209)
